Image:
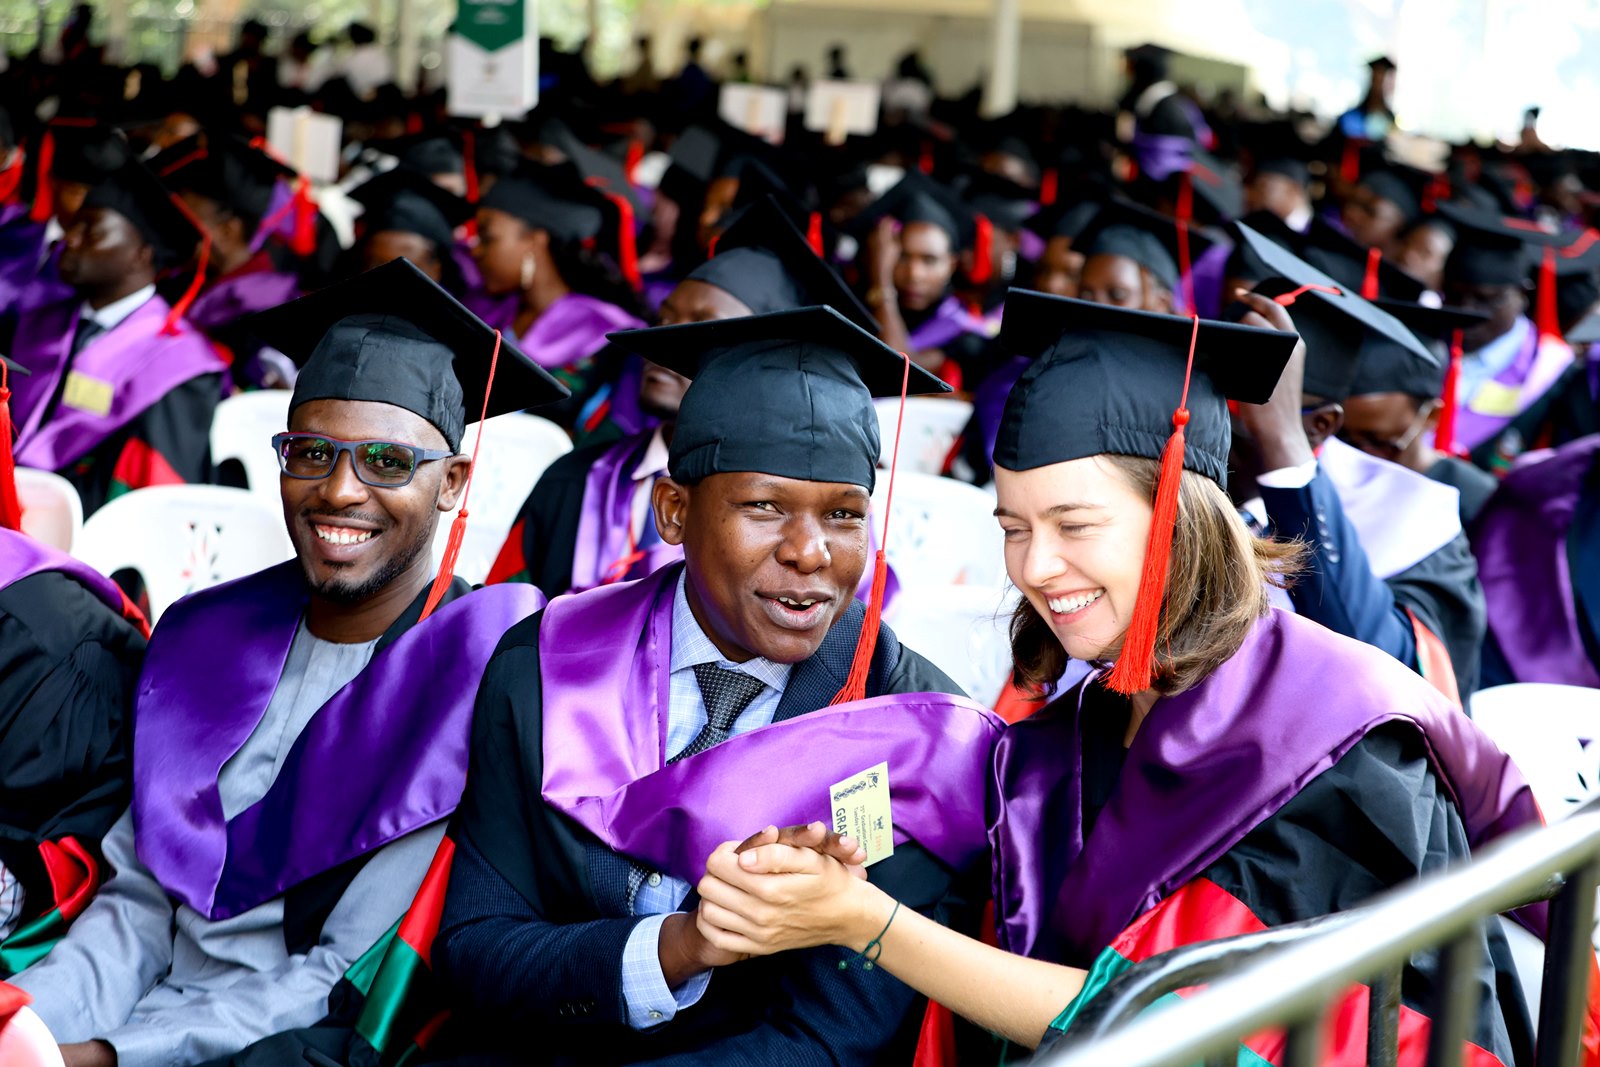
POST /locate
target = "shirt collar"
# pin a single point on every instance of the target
(1500, 353)
(653, 463)
(691, 647)
(110, 317)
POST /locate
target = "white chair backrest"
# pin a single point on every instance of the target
(51, 510)
(961, 629)
(942, 532)
(516, 452)
(184, 538)
(242, 430)
(25, 1041)
(932, 424)
(1552, 732)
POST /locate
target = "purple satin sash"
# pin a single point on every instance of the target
(607, 519)
(1161, 155)
(22, 557)
(604, 661)
(948, 321)
(139, 363)
(574, 328)
(1206, 767)
(1520, 540)
(229, 299)
(989, 402)
(1400, 517)
(385, 755)
(1538, 365)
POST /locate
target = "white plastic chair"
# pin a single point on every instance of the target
(931, 426)
(1552, 732)
(942, 532)
(184, 538)
(516, 452)
(51, 510)
(242, 429)
(962, 629)
(25, 1041)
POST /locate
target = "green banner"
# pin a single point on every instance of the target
(491, 24)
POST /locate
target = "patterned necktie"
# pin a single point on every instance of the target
(726, 694)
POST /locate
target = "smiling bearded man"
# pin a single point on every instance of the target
(301, 733)
(625, 732)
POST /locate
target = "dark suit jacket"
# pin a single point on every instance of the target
(535, 921)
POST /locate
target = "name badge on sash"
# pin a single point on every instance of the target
(860, 807)
(87, 394)
(1495, 399)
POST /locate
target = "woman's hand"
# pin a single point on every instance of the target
(816, 836)
(775, 898)
(882, 248)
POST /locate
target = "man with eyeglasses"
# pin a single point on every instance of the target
(302, 732)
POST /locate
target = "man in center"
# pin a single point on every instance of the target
(625, 732)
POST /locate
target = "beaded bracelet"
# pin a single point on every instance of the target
(875, 943)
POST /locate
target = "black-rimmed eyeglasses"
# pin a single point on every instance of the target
(381, 464)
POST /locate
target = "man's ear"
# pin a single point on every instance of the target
(456, 469)
(1322, 423)
(670, 503)
(1434, 409)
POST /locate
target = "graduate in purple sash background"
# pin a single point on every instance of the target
(122, 386)
(1198, 784)
(625, 731)
(588, 521)
(301, 733)
(230, 187)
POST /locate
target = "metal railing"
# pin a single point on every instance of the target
(1290, 980)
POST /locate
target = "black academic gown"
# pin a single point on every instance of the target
(1476, 486)
(68, 668)
(550, 516)
(535, 922)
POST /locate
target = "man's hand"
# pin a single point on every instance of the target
(815, 836)
(684, 952)
(89, 1054)
(1276, 426)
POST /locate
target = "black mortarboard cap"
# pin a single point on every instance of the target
(225, 169)
(788, 394)
(1217, 194)
(693, 164)
(1586, 332)
(1276, 147)
(764, 261)
(1105, 380)
(1064, 219)
(1385, 366)
(1345, 259)
(1491, 249)
(435, 152)
(86, 153)
(1332, 319)
(393, 336)
(136, 194)
(1396, 186)
(554, 199)
(1149, 238)
(918, 198)
(407, 200)
(1000, 200)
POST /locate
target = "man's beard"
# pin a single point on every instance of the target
(340, 591)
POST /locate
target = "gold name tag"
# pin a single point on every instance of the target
(1495, 399)
(860, 806)
(87, 394)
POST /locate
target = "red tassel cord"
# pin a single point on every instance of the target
(11, 177)
(635, 155)
(855, 685)
(982, 251)
(10, 504)
(202, 262)
(469, 168)
(925, 160)
(1369, 283)
(1048, 183)
(44, 201)
(1545, 316)
(1135, 668)
(1444, 434)
(304, 242)
(1350, 161)
(1287, 299)
(458, 527)
(627, 240)
(814, 233)
(1185, 209)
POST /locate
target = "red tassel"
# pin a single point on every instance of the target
(1444, 435)
(1369, 283)
(413, 124)
(1135, 668)
(1545, 316)
(814, 233)
(1185, 267)
(627, 246)
(10, 504)
(458, 527)
(469, 170)
(202, 261)
(925, 161)
(855, 684)
(44, 204)
(1438, 191)
(635, 155)
(982, 250)
(1047, 187)
(304, 242)
(1350, 162)
(11, 177)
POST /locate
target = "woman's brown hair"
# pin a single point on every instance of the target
(1216, 588)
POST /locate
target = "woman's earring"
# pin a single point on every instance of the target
(528, 266)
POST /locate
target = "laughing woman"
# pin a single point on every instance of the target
(1226, 767)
